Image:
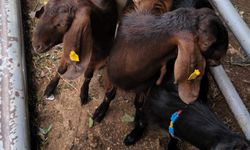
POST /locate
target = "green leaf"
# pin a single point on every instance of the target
(91, 122)
(42, 137)
(45, 131)
(41, 131)
(48, 129)
(127, 118)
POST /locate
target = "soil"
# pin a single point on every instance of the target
(69, 120)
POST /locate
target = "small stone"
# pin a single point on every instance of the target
(42, 74)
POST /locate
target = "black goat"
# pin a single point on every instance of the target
(195, 124)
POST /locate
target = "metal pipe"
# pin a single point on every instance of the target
(233, 99)
(13, 101)
(234, 22)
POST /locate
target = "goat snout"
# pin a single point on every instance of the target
(41, 48)
(37, 48)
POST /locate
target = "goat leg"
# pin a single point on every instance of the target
(100, 112)
(50, 89)
(140, 123)
(172, 144)
(84, 95)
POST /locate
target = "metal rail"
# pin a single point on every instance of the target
(233, 99)
(242, 34)
(14, 132)
(234, 22)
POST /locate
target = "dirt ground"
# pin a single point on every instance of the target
(69, 121)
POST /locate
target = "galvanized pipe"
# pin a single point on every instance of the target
(13, 101)
(242, 34)
(233, 99)
(234, 22)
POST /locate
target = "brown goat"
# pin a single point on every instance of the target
(85, 27)
(155, 7)
(145, 43)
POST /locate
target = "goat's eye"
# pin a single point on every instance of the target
(60, 25)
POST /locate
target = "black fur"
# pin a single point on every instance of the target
(191, 3)
(196, 124)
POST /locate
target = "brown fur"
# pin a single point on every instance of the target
(145, 43)
(77, 38)
(84, 26)
(156, 7)
(140, 53)
(72, 20)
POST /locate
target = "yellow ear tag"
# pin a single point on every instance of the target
(194, 75)
(73, 56)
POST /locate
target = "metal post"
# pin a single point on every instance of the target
(234, 22)
(13, 105)
(242, 34)
(233, 99)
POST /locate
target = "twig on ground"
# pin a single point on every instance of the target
(69, 83)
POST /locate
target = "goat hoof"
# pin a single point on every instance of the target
(49, 91)
(84, 99)
(172, 144)
(130, 140)
(50, 98)
(100, 112)
(134, 136)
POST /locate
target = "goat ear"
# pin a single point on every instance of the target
(78, 39)
(39, 13)
(188, 60)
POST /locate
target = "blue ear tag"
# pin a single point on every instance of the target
(173, 118)
(171, 131)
